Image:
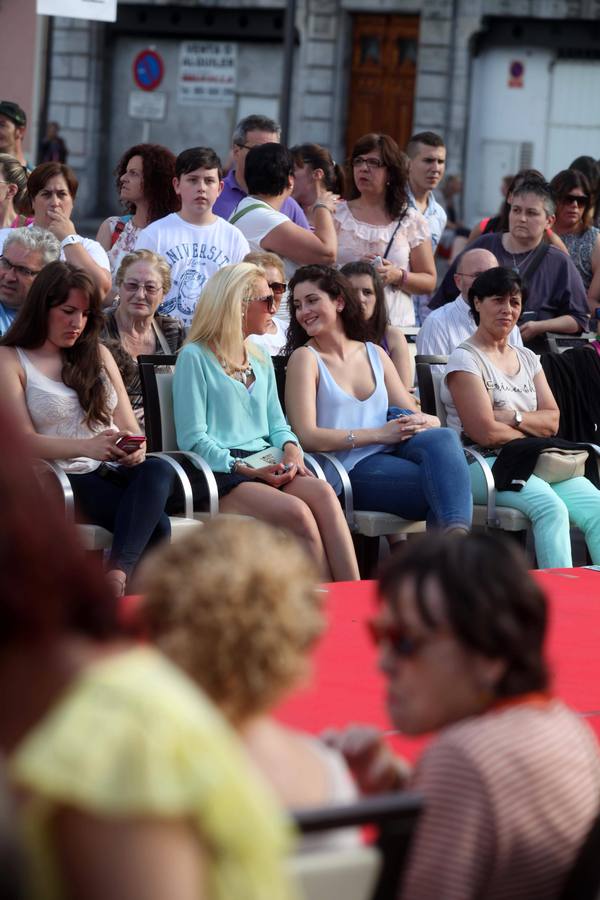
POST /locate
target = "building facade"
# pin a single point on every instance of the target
(507, 83)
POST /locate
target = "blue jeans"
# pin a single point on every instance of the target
(426, 477)
(131, 504)
(551, 509)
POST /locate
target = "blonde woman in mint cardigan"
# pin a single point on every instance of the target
(226, 407)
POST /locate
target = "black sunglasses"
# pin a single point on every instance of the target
(575, 198)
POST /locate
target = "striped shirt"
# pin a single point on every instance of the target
(509, 797)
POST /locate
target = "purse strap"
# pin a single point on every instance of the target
(161, 338)
(482, 366)
(534, 262)
(391, 240)
(242, 212)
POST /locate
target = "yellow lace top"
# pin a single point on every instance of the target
(133, 736)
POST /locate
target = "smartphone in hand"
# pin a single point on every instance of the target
(129, 443)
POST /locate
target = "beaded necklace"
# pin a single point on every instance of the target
(238, 373)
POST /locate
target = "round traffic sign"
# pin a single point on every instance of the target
(148, 70)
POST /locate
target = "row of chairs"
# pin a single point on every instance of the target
(367, 526)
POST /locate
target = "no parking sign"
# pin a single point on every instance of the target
(148, 70)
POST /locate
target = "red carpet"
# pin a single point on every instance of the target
(347, 687)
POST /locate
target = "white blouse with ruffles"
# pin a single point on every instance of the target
(357, 239)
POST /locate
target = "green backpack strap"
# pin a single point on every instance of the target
(242, 212)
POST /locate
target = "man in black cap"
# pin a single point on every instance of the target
(13, 122)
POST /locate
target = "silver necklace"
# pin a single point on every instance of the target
(517, 266)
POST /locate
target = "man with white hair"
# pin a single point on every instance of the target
(25, 253)
(447, 327)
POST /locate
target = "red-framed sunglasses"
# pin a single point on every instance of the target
(402, 645)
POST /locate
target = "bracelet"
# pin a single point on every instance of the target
(233, 466)
(404, 277)
(320, 205)
(351, 438)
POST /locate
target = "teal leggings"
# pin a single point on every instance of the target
(552, 508)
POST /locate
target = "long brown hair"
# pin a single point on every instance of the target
(335, 284)
(82, 363)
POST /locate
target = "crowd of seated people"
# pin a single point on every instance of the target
(183, 783)
(170, 272)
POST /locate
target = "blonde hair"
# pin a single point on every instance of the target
(265, 258)
(235, 604)
(155, 259)
(218, 318)
(16, 174)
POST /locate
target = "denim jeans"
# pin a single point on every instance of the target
(132, 506)
(551, 509)
(426, 477)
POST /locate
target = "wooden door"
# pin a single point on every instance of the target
(382, 82)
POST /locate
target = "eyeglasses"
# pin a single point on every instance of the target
(22, 271)
(133, 286)
(402, 645)
(278, 287)
(269, 299)
(369, 161)
(581, 201)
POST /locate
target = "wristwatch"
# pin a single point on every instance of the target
(518, 419)
(70, 239)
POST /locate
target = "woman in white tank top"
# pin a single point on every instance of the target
(344, 395)
(66, 390)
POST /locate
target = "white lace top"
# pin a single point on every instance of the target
(55, 411)
(356, 239)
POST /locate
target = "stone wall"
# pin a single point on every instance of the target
(74, 97)
(322, 65)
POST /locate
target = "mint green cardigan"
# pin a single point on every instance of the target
(214, 413)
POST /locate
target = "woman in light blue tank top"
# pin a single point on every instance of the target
(344, 396)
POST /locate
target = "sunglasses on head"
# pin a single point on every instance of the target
(278, 287)
(402, 645)
(575, 198)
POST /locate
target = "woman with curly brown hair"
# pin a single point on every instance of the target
(144, 179)
(65, 389)
(376, 223)
(236, 605)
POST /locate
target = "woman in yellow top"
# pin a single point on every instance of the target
(131, 784)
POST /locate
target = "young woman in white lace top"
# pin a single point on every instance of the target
(66, 391)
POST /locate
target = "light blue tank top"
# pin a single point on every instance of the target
(337, 409)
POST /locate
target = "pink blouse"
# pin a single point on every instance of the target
(357, 239)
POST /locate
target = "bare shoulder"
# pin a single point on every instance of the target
(9, 360)
(106, 356)
(302, 360)
(104, 235)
